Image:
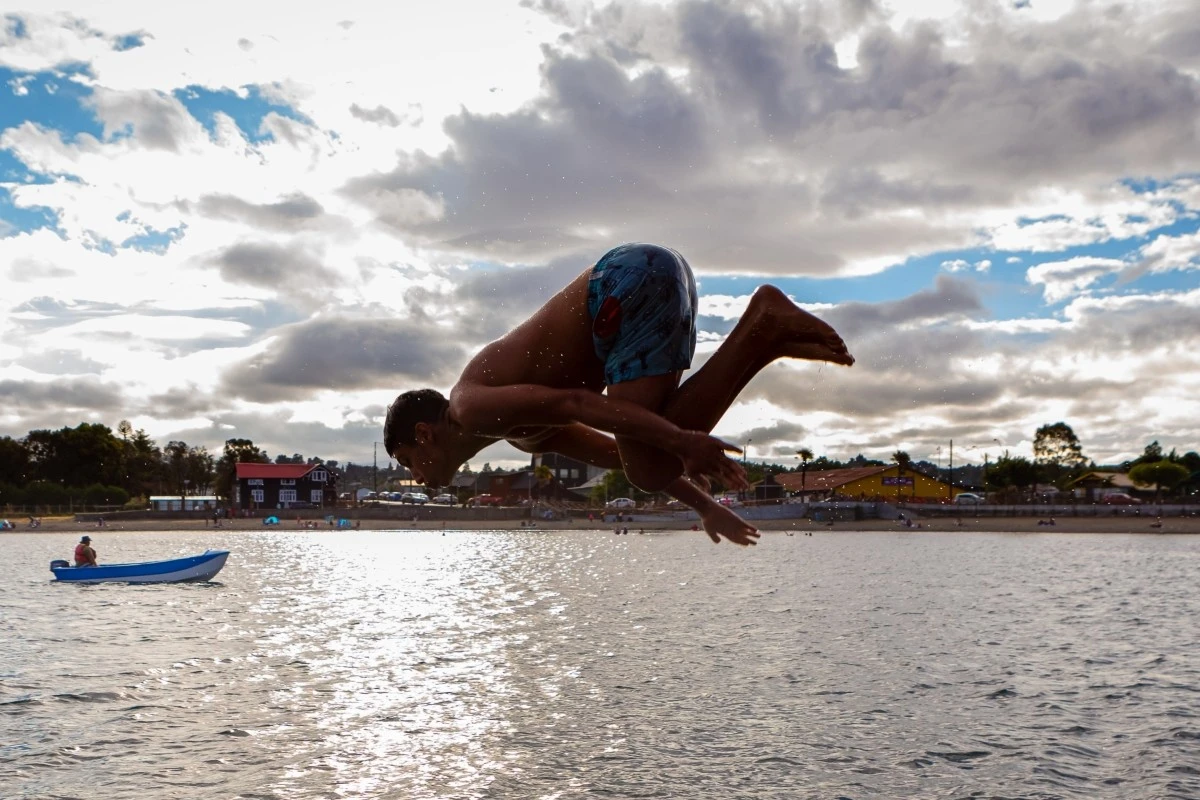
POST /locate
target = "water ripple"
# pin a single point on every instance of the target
(548, 665)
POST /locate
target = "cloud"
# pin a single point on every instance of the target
(949, 298)
(382, 115)
(293, 213)
(46, 399)
(288, 269)
(271, 229)
(733, 133)
(340, 354)
(153, 120)
(1061, 280)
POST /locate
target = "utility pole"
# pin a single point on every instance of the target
(375, 473)
(745, 455)
(951, 481)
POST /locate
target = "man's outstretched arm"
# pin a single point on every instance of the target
(593, 447)
(498, 410)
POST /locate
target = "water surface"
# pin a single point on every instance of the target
(537, 664)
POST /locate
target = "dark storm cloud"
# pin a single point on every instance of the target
(60, 362)
(768, 157)
(491, 302)
(75, 394)
(286, 269)
(949, 297)
(780, 439)
(344, 354)
(180, 402)
(380, 115)
(294, 213)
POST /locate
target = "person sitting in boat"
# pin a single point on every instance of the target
(85, 556)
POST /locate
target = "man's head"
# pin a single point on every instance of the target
(86, 540)
(415, 423)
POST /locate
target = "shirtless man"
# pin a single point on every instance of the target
(604, 356)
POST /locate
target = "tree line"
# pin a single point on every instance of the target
(91, 465)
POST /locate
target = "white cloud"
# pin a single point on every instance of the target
(1061, 280)
(454, 164)
(1172, 253)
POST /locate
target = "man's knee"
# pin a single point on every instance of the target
(654, 475)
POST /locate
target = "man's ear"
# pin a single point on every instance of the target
(423, 432)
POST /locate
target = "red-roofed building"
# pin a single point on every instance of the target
(284, 486)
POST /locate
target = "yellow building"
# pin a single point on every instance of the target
(867, 483)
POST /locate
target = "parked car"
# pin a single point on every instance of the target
(620, 503)
(968, 498)
(444, 500)
(730, 501)
(1121, 499)
(485, 500)
(418, 498)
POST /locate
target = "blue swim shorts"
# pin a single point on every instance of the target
(642, 301)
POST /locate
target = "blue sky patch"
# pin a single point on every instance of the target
(129, 41)
(247, 112)
(51, 100)
(15, 219)
(154, 241)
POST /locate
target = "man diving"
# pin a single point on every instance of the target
(594, 375)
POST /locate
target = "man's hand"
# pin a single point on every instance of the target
(704, 455)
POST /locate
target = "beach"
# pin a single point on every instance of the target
(1128, 523)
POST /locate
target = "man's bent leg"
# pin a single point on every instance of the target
(773, 327)
(653, 470)
(647, 467)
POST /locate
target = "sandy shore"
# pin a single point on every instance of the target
(1124, 524)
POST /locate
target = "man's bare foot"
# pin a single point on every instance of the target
(720, 521)
(790, 331)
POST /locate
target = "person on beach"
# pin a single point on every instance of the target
(595, 373)
(85, 556)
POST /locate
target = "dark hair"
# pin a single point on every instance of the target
(419, 405)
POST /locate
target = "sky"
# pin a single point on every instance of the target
(226, 220)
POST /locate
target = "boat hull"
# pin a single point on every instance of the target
(177, 570)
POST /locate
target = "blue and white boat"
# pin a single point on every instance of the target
(191, 568)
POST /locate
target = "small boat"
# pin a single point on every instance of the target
(190, 568)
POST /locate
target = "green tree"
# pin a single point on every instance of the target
(100, 495)
(544, 477)
(236, 451)
(1057, 449)
(46, 493)
(201, 470)
(1159, 474)
(1153, 452)
(615, 484)
(143, 465)
(1017, 473)
(805, 456)
(175, 466)
(11, 495)
(902, 460)
(87, 453)
(14, 461)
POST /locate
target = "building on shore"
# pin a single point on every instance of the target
(284, 486)
(892, 483)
